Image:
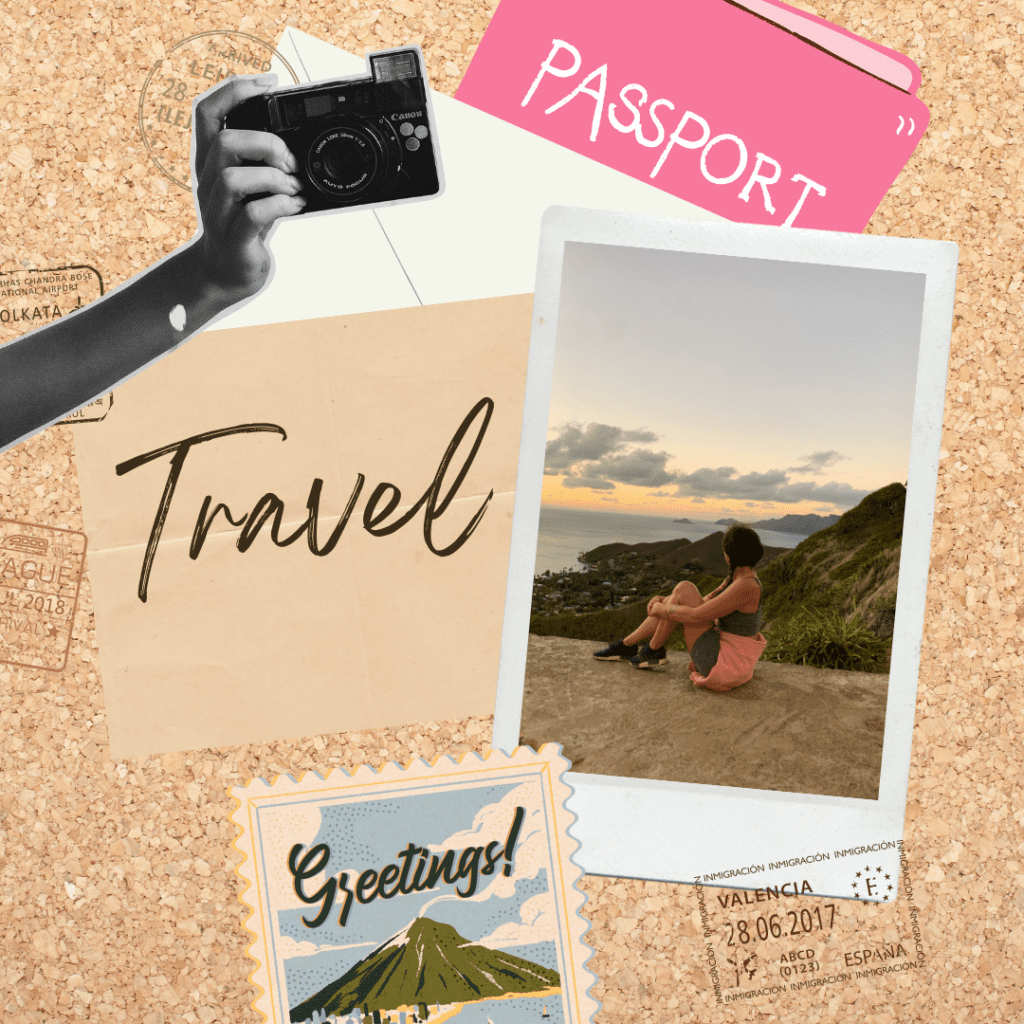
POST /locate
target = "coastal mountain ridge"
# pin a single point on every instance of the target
(804, 525)
(675, 556)
(427, 962)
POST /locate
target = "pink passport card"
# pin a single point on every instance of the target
(767, 115)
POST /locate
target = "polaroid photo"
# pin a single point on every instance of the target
(685, 377)
(441, 892)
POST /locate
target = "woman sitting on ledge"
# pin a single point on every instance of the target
(723, 652)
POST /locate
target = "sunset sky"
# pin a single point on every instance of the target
(713, 386)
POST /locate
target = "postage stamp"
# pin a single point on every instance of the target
(784, 938)
(31, 298)
(40, 576)
(441, 892)
(187, 69)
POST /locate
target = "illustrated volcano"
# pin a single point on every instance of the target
(427, 962)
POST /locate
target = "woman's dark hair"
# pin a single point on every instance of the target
(742, 545)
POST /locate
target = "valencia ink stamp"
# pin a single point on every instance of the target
(786, 938)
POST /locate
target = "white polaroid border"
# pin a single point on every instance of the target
(639, 828)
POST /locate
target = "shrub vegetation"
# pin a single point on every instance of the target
(827, 641)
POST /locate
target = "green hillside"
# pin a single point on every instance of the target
(849, 568)
(832, 600)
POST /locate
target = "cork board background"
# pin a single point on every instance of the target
(118, 900)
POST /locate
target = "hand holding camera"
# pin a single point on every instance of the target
(244, 182)
(368, 140)
(258, 156)
(362, 141)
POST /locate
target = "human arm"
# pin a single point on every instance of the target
(737, 594)
(48, 373)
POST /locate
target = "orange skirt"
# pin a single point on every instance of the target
(737, 657)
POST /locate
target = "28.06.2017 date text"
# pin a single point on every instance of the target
(777, 926)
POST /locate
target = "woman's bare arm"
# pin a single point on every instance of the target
(738, 593)
(48, 373)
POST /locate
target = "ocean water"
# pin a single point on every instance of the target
(564, 533)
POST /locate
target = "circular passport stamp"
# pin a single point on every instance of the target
(187, 69)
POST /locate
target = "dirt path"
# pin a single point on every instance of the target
(791, 728)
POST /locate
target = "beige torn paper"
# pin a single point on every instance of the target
(410, 420)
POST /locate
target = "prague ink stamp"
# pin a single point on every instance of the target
(40, 576)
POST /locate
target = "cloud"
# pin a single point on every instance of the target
(599, 456)
(282, 827)
(834, 492)
(538, 922)
(574, 444)
(286, 947)
(725, 482)
(818, 462)
(493, 822)
(773, 485)
(593, 482)
(639, 468)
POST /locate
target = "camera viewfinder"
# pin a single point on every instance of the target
(394, 67)
(318, 105)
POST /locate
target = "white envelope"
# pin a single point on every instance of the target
(477, 240)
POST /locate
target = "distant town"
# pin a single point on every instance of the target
(401, 1016)
(618, 574)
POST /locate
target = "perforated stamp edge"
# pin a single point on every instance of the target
(496, 766)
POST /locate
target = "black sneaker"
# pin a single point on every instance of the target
(618, 651)
(649, 657)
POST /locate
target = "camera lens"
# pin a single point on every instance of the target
(347, 163)
(343, 162)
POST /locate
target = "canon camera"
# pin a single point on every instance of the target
(358, 141)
